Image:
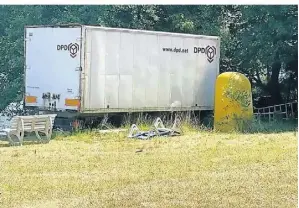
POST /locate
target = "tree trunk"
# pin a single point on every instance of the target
(273, 86)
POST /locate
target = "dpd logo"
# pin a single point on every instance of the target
(210, 51)
(73, 48)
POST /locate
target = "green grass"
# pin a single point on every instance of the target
(198, 169)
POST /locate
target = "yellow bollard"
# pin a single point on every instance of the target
(233, 102)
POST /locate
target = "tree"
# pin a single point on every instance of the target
(268, 42)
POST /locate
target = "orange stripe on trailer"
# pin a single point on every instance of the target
(31, 99)
(72, 102)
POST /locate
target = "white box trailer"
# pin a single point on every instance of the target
(92, 69)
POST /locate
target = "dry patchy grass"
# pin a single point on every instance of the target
(199, 169)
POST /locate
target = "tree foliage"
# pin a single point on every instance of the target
(259, 41)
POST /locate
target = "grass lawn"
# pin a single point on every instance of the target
(198, 169)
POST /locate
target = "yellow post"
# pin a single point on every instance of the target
(233, 102)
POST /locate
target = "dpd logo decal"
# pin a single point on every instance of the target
(210, 51)
(73, 48)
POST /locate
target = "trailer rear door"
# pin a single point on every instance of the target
(52, 67)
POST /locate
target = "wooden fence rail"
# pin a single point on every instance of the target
(283, 111)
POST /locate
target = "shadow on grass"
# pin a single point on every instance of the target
(88, 135)
(278, 125)
(27, 141)
(272, 127)
(94, 135)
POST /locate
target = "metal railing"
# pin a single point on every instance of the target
(284, 111)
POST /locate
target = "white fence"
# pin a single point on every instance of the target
(284, 111)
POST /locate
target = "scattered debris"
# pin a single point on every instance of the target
(157, 130)
(139, 150)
